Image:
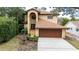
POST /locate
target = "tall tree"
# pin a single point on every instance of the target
(54, 12)
(3, 11)
(72, 11)
(16, 12)
(11, 11)
(43, 8)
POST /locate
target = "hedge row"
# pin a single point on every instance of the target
(8, 29)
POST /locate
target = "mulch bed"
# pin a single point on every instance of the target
(27, 45)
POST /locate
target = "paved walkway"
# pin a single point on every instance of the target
(54, 44)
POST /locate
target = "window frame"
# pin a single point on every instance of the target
(77, 29)
(49, 17)
(32, 26)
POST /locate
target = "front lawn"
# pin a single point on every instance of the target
(11, 45)
(73, 41)
(15, 44)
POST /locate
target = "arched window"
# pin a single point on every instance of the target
(33, 16)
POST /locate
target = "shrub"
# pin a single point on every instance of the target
(8, 29)
(20, 27)
(64, 21)
(24, 31)
(32, 37)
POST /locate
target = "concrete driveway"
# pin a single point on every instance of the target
(54, 44)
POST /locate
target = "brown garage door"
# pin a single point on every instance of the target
(56, 33)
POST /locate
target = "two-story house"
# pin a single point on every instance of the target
(42, 24)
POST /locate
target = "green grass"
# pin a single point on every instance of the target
(74, 42)
(11, 45)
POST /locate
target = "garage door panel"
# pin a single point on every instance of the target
(50, 33)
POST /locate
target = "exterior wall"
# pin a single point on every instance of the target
(73, 30)
(28, 18)
(44, 17)
(55, 19)
(63, 33)
(37, 32)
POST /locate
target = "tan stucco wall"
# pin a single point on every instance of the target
(37, 32)
(63, 33)
(44, 17)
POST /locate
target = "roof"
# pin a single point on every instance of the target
(76, 23)
(42, 12)
(46, 24)
(33, 9)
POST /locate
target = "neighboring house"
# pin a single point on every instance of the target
(73, 28)
(41, 23)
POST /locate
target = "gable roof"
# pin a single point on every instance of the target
(76, 23)
(46, 24)
(33, 9)
(42, 12)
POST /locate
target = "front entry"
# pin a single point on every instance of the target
(32, 23)
(54, 33)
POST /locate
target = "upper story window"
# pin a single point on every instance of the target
(49, 16)
(33, 17)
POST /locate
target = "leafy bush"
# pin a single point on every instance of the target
(64, 21)
(20, 27)
(24, 31)
(32, 37)
(21, 23)
(8, 29)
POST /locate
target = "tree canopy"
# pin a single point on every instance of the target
(72, 11)
(16, 12)
(11, 11)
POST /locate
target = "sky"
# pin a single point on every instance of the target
(39, 3)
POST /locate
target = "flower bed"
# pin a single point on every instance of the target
(32, 37)
(27, 43)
